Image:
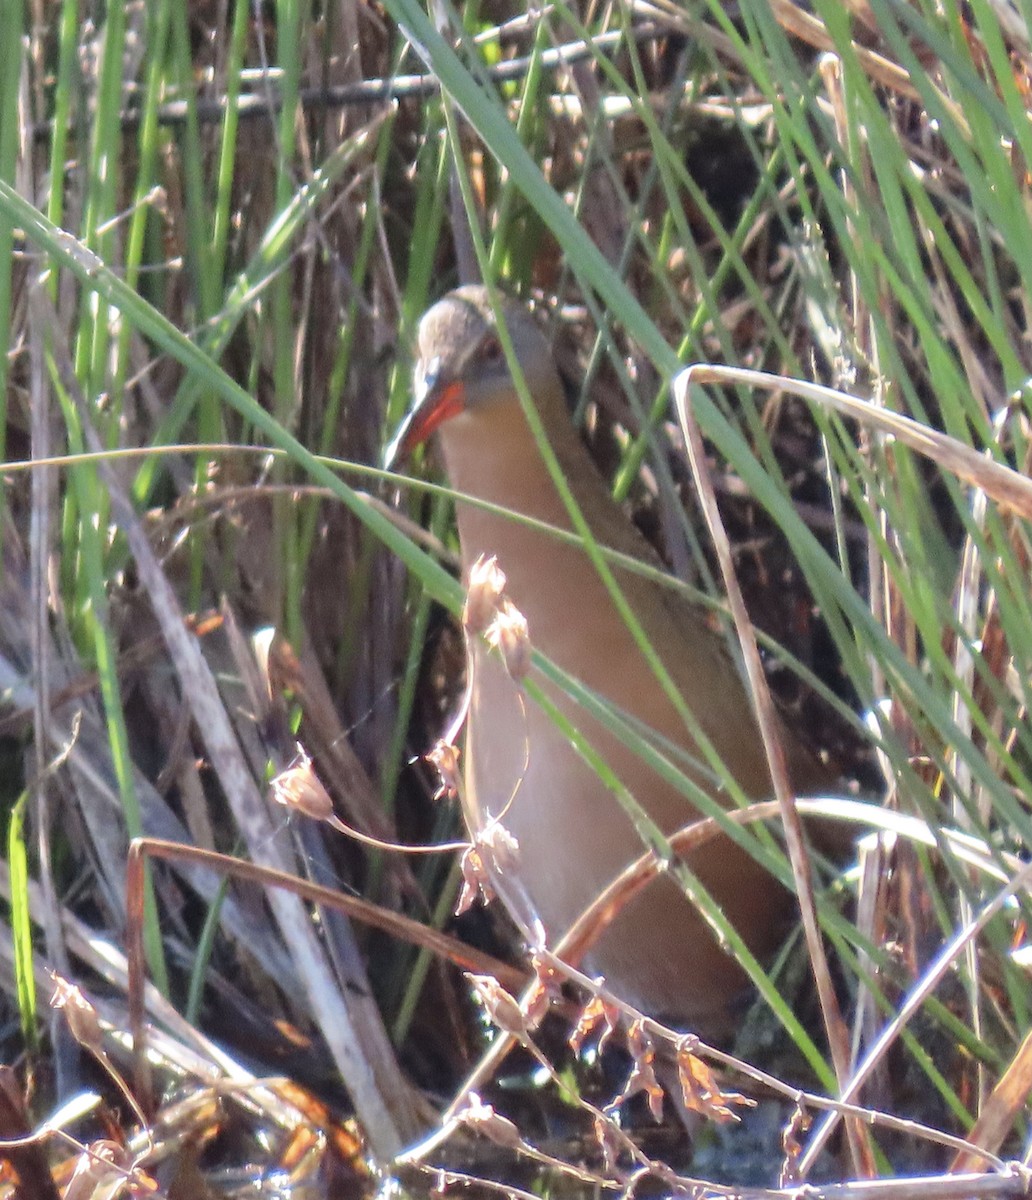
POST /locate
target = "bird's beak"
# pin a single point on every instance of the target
(436, 400)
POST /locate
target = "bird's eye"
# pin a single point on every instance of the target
(491, 351)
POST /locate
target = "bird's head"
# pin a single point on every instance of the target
(462, 367)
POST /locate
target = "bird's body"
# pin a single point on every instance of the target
(574, 837)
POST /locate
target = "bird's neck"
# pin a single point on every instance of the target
(493, 456)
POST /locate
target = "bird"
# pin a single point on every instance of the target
(573, 836)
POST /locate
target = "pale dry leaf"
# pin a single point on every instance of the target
(483, 1119)
(500, 1005)
(791, 1144)
(701, 1093)
(598, 1012)
(643, 1074)
(104, 1168)
(476, 883)
(609, 1144)
(80, 1014)
(510, 636)
(548, 988)
(498, 848)
(299, 789)
(483, 595)
(444, 757)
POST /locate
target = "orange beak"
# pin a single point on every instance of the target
(437, 401)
